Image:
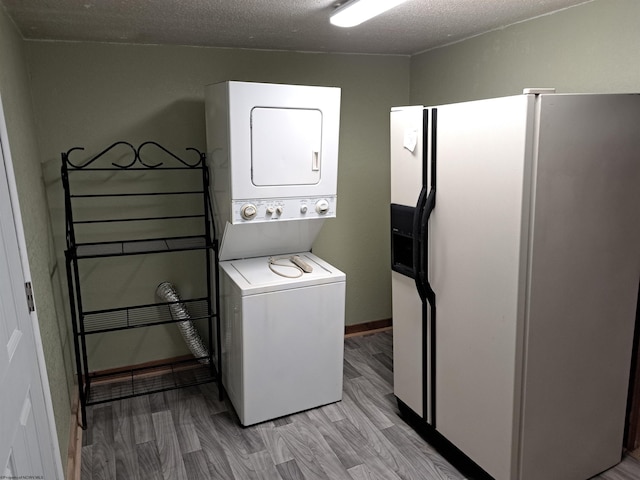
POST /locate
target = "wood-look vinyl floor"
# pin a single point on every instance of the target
(188, 434)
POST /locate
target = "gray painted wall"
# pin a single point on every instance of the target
(93, 94)
(16, 99)
(594, 48)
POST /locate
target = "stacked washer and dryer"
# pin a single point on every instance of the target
(274, 154)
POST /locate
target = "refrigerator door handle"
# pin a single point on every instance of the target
(429, 341)
(426, 204)
(430, 204)
(428, 305)
(418, 243)
(423, 271)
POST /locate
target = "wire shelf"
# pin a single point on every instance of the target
(137, 247)
(96, 217)
(132, 383)
(101, 321)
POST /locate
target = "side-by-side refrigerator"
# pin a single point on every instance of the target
(515, 274)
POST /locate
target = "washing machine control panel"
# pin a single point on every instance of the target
(279, 209)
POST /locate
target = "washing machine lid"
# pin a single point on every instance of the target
(253, 275)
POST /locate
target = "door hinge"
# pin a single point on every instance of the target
(29, 292)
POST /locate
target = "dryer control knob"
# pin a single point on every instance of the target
(248, 211)
(322, 207)
(270, 210)
(303, 209)
(279, 210)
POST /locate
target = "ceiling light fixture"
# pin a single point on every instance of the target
(355, 12)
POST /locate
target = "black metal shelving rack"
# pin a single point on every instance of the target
(140, 381)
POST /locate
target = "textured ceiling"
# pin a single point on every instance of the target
(301, 25)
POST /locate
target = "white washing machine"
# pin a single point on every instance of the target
(282, 337)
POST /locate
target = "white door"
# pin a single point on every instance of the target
(26, 449)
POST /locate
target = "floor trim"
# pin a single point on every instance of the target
(112, 374)
(367, 327)
(74, 451)
(349, 331)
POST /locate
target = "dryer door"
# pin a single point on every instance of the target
(285, 146)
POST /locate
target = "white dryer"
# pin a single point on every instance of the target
(274, 153)
(282, 338)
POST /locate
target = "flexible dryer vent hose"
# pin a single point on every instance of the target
(167, 293)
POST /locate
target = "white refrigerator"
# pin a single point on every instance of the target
(515, 277)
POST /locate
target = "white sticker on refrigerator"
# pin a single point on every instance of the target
(410, 139)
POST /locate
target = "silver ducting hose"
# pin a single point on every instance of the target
(167, 293)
